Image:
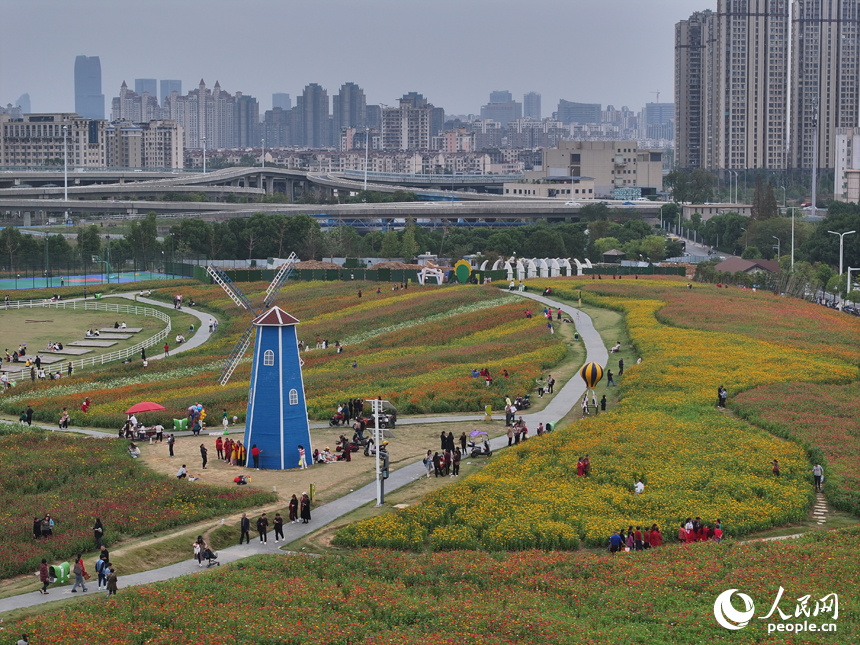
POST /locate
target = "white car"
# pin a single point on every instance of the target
(572, 204)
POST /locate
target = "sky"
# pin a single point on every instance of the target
(455, 52)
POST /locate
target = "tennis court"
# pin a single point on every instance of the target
(90, 280)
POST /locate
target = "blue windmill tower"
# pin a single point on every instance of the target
(277, 418)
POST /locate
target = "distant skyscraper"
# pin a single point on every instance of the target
(89, 100)
(531, 105)
(150, 85)
(314, 117)
(281, 100)
(694, 90)
(659, 120)
(168, 86)
(502, 111)
(825, 64)
(23, 102)
(374, 117)
(501, 96)
(247, 117)
(349, 108)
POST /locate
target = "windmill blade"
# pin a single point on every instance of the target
(236, 355)
(235, 293)
(280, 280)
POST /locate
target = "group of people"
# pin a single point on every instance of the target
(93, 333)
(232, 452)
(483, 373)
(444, 465)
(519, 432)
(695, 530)
(299, 512)
(43, 527)
(637, 539)
(55, 347)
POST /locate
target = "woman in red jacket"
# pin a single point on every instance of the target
(656, 536)
(682, 534)
(43, 576)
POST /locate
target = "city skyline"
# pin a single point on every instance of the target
(377, 64)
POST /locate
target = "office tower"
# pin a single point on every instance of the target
(167, 87)
(148, 85)
(313, 117)
(659, 120)
(501, 96)
(247, 122)
(570, 112)
(825, 70)
(531, 105)
(502, 111)
(694, 90)
(733, 63)
(349, 108)
(281, 100)
(23, 102)
(89, 100)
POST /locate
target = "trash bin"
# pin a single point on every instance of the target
(59, 572)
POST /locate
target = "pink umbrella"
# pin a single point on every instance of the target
(145, 406)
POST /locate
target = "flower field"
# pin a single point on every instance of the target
(415, 347)
(77, 480)
(826, 419)
(531, 598)
(694, 460)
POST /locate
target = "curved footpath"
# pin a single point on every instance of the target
(562, 402)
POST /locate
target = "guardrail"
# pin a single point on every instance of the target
(443, 180)
(84, 305)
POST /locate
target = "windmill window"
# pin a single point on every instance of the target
(269, 358)
(294, 397)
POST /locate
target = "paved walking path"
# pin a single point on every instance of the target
(562, 403)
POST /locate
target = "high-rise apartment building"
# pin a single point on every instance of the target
(89, 100)
(731, 81)
(133, 107)
(281, 100)
(825, 77)
(349, 108)
(37, 140)
(168, 87)
(276, 128)
(246, 131)
(157, 144)
(413, 125)
(531, 106)
(313, 118)
(148, 85)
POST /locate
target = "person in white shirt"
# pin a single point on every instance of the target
(639, 487)
(182, 473)
(818, 474)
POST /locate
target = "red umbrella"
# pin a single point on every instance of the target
(145, 406)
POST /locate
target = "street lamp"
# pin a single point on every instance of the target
(793, 208)
(204, 155)
(735, 173)
(783, 196)
(777, 246)
(841, 246)
(366, 152)
(65, 166)
(264, 153)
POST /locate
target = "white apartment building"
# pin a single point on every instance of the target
(846, 181)
(157, 144)
(37, 140)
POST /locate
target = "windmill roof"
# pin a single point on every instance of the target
(275, 317)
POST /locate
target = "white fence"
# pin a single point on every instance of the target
(93, 305)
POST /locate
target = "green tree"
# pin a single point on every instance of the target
(143, 235)
(678, 183)
(501, 242)
(594, 212)
(653, 247)
(751, 253)
(545, 243)
(604, 244)
(764, 201)
(390, 245)
(10, 242)
(702, 184)
(89, 242)
(408, 245)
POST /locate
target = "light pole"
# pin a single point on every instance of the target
(204, 155)
(735, 173)
(841, 246)
(264, 154)
(814, 152)
(783, 196)
(777, 246)
(65, 166)
(792, 239)
(366, 153)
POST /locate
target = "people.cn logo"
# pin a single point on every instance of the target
(729, 617)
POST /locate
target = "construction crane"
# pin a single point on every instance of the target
(658, 95)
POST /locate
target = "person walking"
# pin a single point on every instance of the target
(98, 533)
(170, 441)
(818, 475)
(620, 367)
(603, 404)
(101, 571)
(263, 527)
(255, 454)
(724, 394)
(219, 448)
(456, 462)
(294, 509)
(245, 528)
(69, 369)
(78, 570)
(305, 508)
(64, 419)
(609, 379)
(143, 353)
(463, 441)
(302, 463)
(204, 454)
(44, 578)
(225, 420)
(550, 383)
(278, 525)
(29, 415)
(111, 582)
(510, 435)
(166, 349)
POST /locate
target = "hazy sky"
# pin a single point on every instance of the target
(453, 51)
